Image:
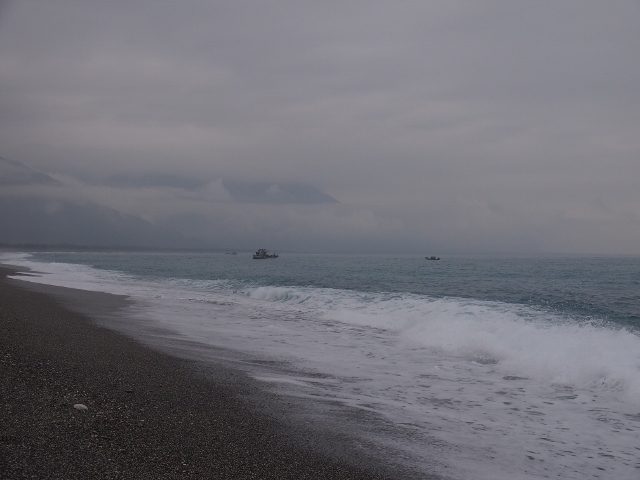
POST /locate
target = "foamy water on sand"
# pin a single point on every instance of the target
(469, 386)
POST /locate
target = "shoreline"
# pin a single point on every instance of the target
(150, 414)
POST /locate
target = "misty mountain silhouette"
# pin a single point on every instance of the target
(276, 193)
(38, 214)
(16, 173)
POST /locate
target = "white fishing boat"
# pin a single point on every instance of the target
(263, 253)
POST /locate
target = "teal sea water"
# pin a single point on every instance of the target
(474, 367)
(600, 289)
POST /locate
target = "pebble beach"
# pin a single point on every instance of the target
(81, 401)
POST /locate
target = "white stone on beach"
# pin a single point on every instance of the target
(79, 406)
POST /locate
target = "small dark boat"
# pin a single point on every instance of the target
(432, 258)
(262, 254)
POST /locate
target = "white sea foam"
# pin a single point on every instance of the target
(471, 389)
(521, 340)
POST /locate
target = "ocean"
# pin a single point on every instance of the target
(469, 367)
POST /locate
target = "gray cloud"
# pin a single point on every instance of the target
(463, 126)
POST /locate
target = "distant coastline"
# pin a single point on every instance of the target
(67, 247)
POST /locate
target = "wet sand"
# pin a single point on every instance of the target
(149, 414)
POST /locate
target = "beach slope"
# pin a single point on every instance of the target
(149, 415)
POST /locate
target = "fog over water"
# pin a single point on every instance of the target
(439, 127)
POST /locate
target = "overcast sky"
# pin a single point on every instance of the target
(439, 127)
